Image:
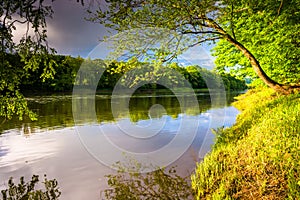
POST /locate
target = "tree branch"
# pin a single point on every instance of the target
(201, 32)
(231, 24)
(204, 40)
(212, 24)
(175, 51)
(12, 23)
(201, 23)
(280, 7)
(192, 45)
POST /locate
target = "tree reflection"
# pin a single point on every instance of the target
(56, 112)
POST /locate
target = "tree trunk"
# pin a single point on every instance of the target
(254, 63)
(257, 68)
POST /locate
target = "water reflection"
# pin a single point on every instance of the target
(51, 145)
(15, 151)
(55, 112)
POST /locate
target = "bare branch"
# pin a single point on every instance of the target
(192, 45)
(201, 32)
(231, 23)
(13, 22)
(280, 7)
(175, 51)
(240, 10)
(204, 40)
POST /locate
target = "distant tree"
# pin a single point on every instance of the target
(196, 22)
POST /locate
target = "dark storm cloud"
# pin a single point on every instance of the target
(69, 32)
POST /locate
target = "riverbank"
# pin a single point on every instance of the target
(258, 157)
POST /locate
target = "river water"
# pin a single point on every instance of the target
(53, 146)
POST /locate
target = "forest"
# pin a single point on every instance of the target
(66, 71)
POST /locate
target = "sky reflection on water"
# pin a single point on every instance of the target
(51, 145)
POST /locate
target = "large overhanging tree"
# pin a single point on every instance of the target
(272, 35)
(234, 22)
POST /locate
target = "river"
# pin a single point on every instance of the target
(53, 144)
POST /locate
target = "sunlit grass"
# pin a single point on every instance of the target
(259, 157)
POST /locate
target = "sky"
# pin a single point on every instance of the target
(70, 34)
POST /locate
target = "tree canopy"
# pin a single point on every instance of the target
(253, 28)
(31, 50)
(67, 75)
(272, 33)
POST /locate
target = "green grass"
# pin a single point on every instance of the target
(257, 158)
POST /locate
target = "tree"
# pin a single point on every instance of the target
(273, 37)
(197, 22)
(31, 50)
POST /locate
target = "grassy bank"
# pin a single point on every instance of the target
(257, 158)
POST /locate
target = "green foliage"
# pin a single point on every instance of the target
(232, 82)
(62, 80)
(26, 190)
(128, 73)
(15, 103)
(156, 29)
(20, 58)
(159, 184)
(258, 157)
(261, 34)
(66, 70)
(271, 31)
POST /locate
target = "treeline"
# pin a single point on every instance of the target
(66, 74)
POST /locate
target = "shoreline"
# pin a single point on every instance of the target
(258, 156)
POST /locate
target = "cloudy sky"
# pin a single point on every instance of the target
(70, 34)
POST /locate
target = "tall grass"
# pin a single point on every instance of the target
(257, 158)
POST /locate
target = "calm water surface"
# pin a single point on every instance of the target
(51, 145)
